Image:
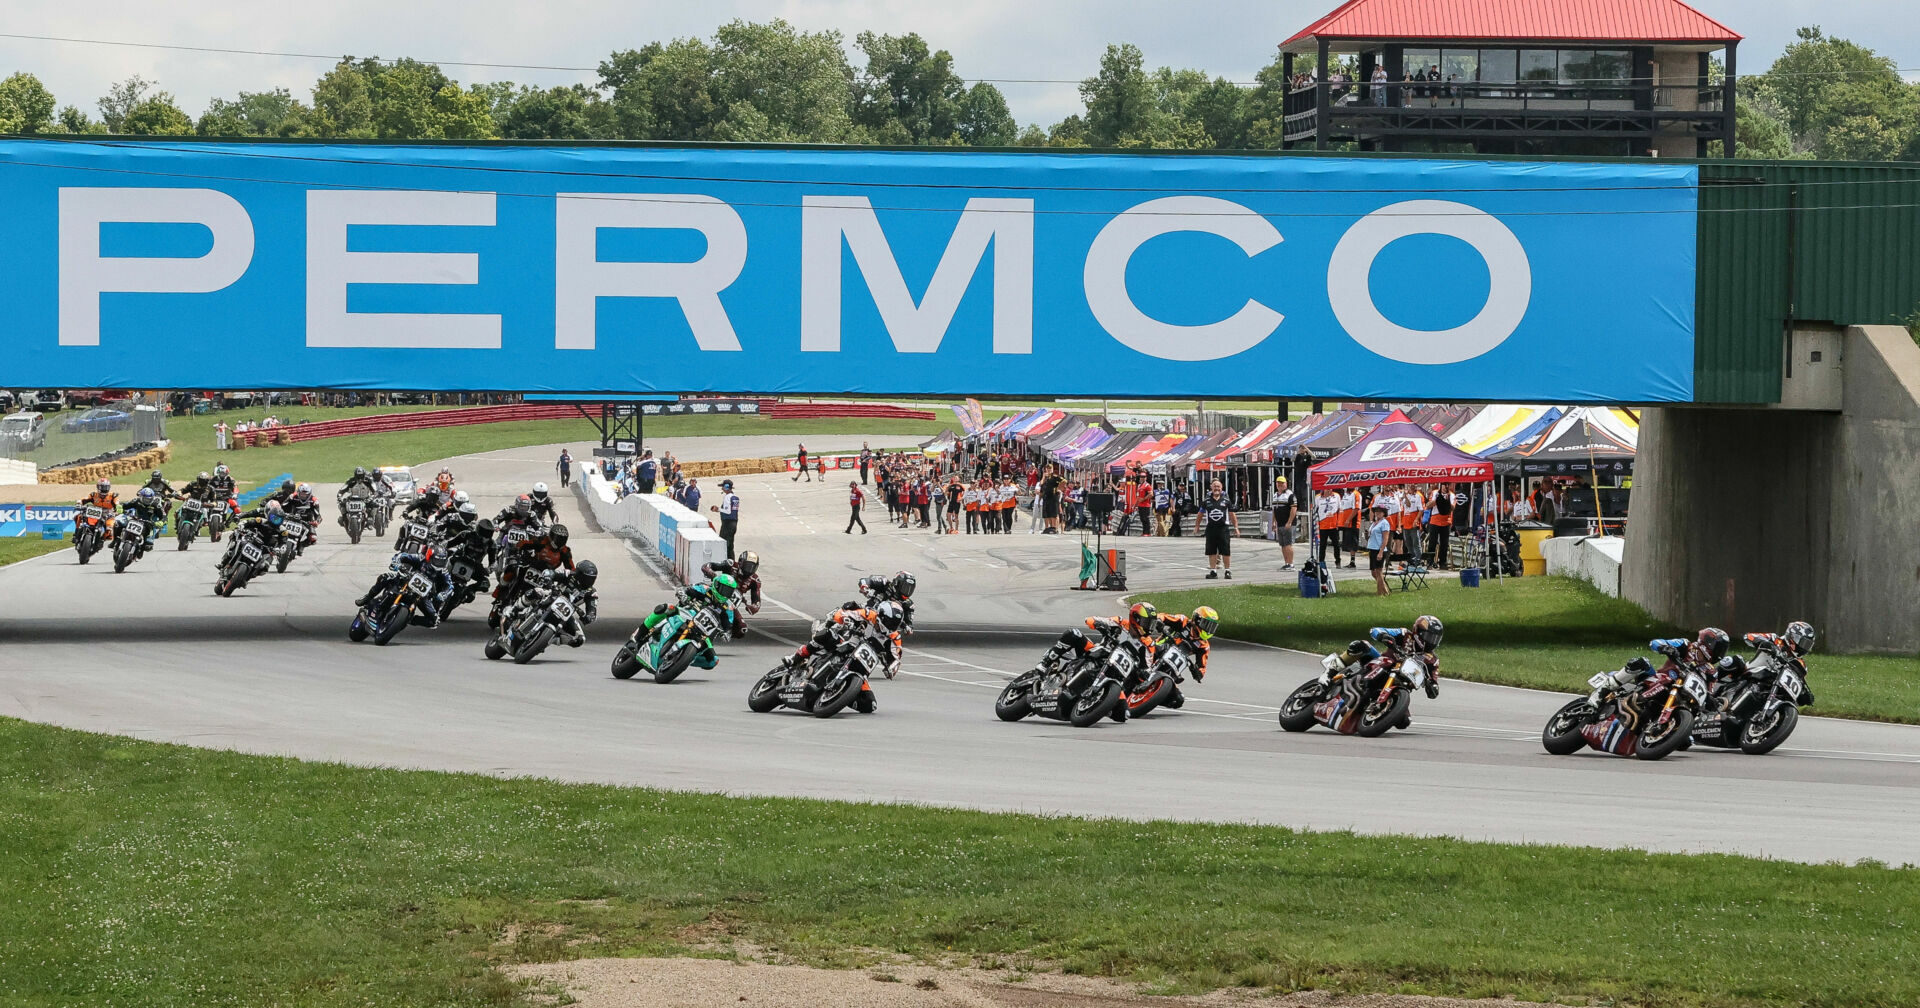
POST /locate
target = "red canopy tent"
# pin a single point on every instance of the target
(1397, 450)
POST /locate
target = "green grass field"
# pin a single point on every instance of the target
(330, 460)
(1543, 632)
(150, 875)
(22, 548)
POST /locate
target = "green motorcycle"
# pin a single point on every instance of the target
(672, 644)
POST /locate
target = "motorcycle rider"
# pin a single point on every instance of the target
(882, 623)
(402, 567)
(265, 520)
(719, 592)
(1420, 641)
(200, 488)
(542, 503)
(285, 494)
(427, 503)
(304, 508)
(474, 538)
(105, 499)
(579, 582)
(1138, 632)
(745, 570)
(878, 588)
(147, 506)
(162, 489)
(1196, 632)
(224, 490)
(539, 553)
(360, 480)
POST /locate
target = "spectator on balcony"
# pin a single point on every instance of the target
(1379, 86)
(1433, 86)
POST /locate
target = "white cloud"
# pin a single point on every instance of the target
(1051, 39)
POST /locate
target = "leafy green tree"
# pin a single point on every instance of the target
(1263, 109)
(120, 100)
(131, 107)
(1119, 100)
(73, 120)
(343, 102)
(557, 113)
(1032, 136)
(908, 94)
(275, 113)
(984, 119)
(1838, 99)
(26, 106)
(402, 100)
(661, 92)
(777, 83)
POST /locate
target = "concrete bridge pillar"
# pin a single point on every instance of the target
(1747, 519)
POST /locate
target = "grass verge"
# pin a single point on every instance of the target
(14, 550)
(1542, 632)
(331, 460)
(157, 875)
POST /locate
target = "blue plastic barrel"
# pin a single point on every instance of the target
(1309, 586)
(1469, 577)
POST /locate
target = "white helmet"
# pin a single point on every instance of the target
(539, 491)
(460, 497)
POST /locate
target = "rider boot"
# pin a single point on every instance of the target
(705, 659)
(864, 703)
(1119, 714)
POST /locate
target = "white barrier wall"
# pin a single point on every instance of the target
(680, 538)
(18, 472)
(1595, 559)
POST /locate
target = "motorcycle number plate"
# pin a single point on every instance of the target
(1696, 686)
(419, 585)
(867, 657)
(562, 608)
(1790, 683)
(1601, 681)
(250, 552)
(296, 529)
(1122, 661)
(134, 527)
(356, 506)
(1177, 660)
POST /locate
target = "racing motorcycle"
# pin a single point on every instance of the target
(1756, 706)
(1076, 681)
(827, 682)
(293, 541)
(191, 518)
(128, 541)
(1635, 711)
(511, 536)
(673, 643)
(353, 515)
(1159, 686)
(1360, 692)
(246, 558)
(381, 512)
(394, 605)
(468, 575)
(545, 611)
(90, 530)
(413, 537)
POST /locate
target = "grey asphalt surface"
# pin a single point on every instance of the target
(153, 654)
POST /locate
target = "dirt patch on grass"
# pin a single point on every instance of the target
(725, 983)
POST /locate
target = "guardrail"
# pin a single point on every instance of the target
(811, 411)
(421, 420)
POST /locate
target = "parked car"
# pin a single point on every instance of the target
(97, 419)
(7, 399)
(23, 432)
(50, 401)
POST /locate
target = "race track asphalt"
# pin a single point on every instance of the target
(153, 654)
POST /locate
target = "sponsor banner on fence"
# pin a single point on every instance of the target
(27, 519)
(699, 406)
(134, 264)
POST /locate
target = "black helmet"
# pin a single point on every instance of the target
(585, 573)
(902, 584)
(522, 507)
(286, 487)
(892, 617)
(1799, 637)
(557, 535)
(485, 525)
(359, 472)
(1427, 631)
(747, 564)
(156, 476)
(1713, 641)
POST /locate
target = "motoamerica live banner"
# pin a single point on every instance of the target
(174, 264)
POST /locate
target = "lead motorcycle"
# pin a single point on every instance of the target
(353, 515)
(90, 527)
(1078, 681)
(829, 681)
(547, 611)
(1361, 691)
(404, 594)
(1637, 711)
(1756, 704)
(666, 650)
(246, 558)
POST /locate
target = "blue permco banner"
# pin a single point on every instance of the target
(646, 269)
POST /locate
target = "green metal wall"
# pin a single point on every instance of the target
(1784, 241)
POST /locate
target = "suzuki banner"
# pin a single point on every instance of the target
(30, 519)
(663, 269)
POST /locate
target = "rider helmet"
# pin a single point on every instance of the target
(1713, 642)
(460, 497)
(220, 470)
(522, 507)
(892, 617)
(156, 477)
(725, 586)
(902, 584)
(305, 490)
(557, 536)
(103, 487)
(485, 526)
(585, 574)
(747, 564)
(147, 494)
(273, 513)
(1205, 622)
(1799, 637)
(1142, 618)
(359, 472)
(204, 477)
(540, 491)
(466, 510)
(1427, 631)
(287, 487)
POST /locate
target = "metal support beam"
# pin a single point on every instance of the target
(1322, 102)
(1730, 120)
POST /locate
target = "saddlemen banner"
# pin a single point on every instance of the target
(172, 264)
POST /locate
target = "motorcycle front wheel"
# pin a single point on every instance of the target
(1765, 732)
(185, 535)
(393, 619)
(765, 694)
(624, 662)
(532, 648)
(1015, 699)
(1155, 693)
(1561, 736)
(836, 699)
(674, 662)
(1097, 702)
(1296, 714)
(1658, 740)
(1379, 717)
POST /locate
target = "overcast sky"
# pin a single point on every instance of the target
(1050, 39)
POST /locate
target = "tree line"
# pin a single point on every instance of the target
(774, 83)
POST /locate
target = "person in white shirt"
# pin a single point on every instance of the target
(729, 511)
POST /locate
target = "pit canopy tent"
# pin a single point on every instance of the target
(1397, 450)
(1578, 444)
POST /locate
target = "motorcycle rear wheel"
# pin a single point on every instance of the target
(1296, 714)
(1156, 694)
(357, 630)
(1561, 736)
(765, 694)
(1095, 704)
(1015, 700)
(1654, 747)
(830, 703)
(1761, 743)
(1380, 718)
